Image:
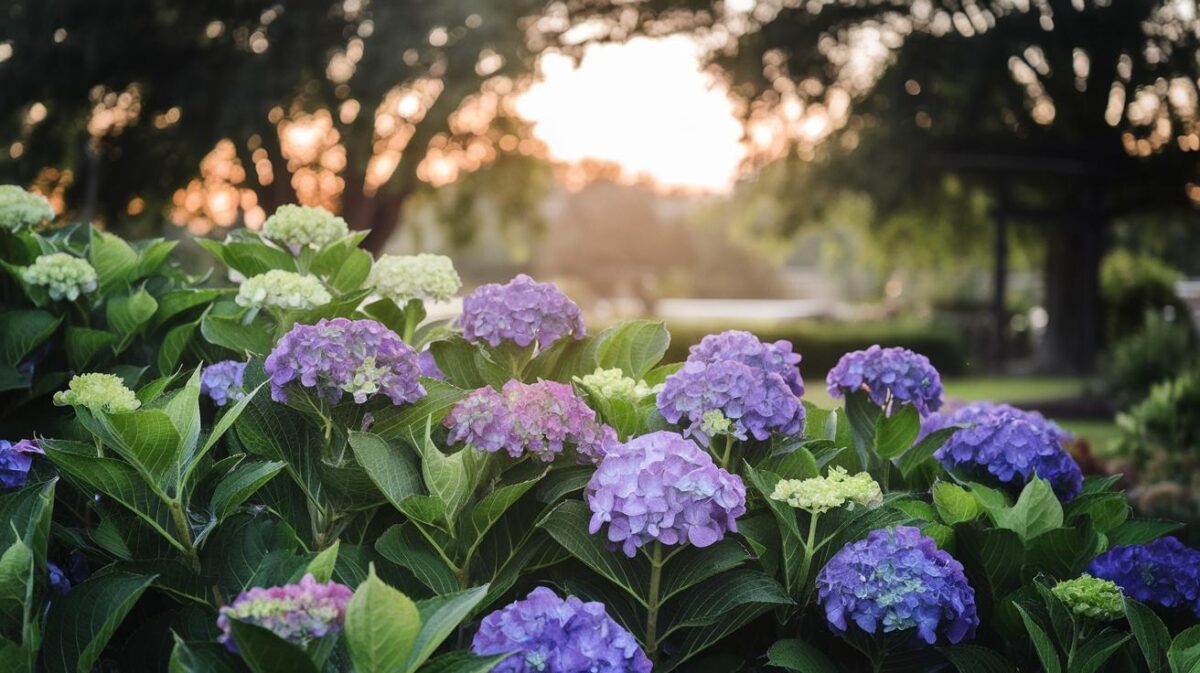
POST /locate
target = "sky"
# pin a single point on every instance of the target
(645, 105)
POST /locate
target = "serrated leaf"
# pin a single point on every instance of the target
(322, 565)
(954, 504)
(381, 628)
(1042, 645)
(408, 422)
(1184, 654)
(440, 616)
(174, 345)
(895, 434)
(568, 525)
(976, 659)
(149, 440)
(129, 313)
(462, 662)
(707, 602)
(403, 545)
(228, 331)
(82, 344)
(80, 624)
(114, 260)
(633, 346)
(201, 658)
(915, 457)
(799, 656)
(22, 331)
(1036, 511)
(394, 470)
(265, 652)
(491, 507)
(242, 482)
(694, 565)
(1141, 531)
(1152, 636)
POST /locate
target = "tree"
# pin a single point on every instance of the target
(356, 103)
(1069, 114)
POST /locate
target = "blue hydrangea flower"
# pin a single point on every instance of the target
(540, 418)
(663, 487)
(222, 381)
(756, 401)
(891, 376)
(297, 613)
(59, 581)
(896, 580)
(521, 311)
(429, 367)
(745, 348)
(1010, 445)
(1163, 572)
(15, 461)
(547, 634)
(360, 357)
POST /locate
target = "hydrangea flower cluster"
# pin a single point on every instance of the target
(539, 418)
(1012, 446)
(891, 376)
(222, 381)
(522, 312)
(662, 487)
(614, 385)
(297, 613)
(959, 413)
(424, 276)
(282, 289)
(744, 347)
(1163, 572)
(756, 402)
(98, 392)
(15, 461)
(304, 226)
(64, 276)
(360, 357)
(1091, 597)
(546, 633)
(895, 580)
(20, 208)
(821, 494)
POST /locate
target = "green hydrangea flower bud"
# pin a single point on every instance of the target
(63, 275)
(98, 392)
(1092, 597)
(20, 209)
(613, 384)
(424, 276)
(303, 226)
(821, 494)
(282, 289)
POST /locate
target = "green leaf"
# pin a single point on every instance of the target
(394, 470)
(694, 565)
(381, 628)
(487, 511)
(799, 656)
(895, 434)
(322, 565)
(407, 422)
(561, 482)
(22, 331)
(265, 652)
(115, 261)
(915, 457)
(82, 344)
(1152, 635)
(568, 525)
(695, 641)
(183, 408)
(249, 257)
(976, 659)
(242, 482)
(1184, 654)
(149, 440)
(445, 476)
(174, 345)
(707, 602)
(350, 274)
(954, 504)
(1141, 531)
(128, 313)
(1042, 644)
(81, 623)
(1093, 652)
(228, 331)
(456, 359)
(201, 658)
(16, 574)
(1036, 511)
(462, 662)
(633, 346)
(1107, 510)
(403, 545)
(862, 415)
(440, 616)
(176, 302)
(152, 255)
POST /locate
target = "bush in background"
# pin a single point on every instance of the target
(1156, 353)
(1132, 285)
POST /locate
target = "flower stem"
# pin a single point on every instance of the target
(656, 566)
(728, 452)
(806, 565)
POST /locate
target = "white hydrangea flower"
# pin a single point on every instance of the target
(612, 383)
(20, 209)
(282, 289)
(98, 392)
(821, 494)
(424, 276)
(303, 226)
(65, 276)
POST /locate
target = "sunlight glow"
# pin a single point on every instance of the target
(645, 105)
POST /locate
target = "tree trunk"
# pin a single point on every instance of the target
(1072, 276)
(1000, 281)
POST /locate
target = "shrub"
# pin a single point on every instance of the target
(1132, 285)
(1155, 353)
(349, 487)
(1161, 434)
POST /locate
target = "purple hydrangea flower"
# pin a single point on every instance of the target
(745, 348)
(522, 311)
(59, 581)
(548, 634)
(757, 402)
(662, 487)
(15, 461)
(298, 613)
(1163, 572)
(540, 418)
(428, 365)
(222, 381)
(360, 357)
(895, 580)
(890, 376)
(1011, 445)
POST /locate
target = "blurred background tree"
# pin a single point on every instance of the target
(111, 107)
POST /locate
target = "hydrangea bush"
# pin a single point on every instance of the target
(303, 473)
